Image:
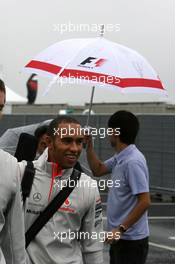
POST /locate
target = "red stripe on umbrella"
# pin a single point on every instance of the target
(91, 76)
(43, 66)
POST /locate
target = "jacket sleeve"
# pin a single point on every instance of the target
(13, 246)
(22, 164)
(91, 233)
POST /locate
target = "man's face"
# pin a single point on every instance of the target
(66, 146)
(2, 101)
(113, 141)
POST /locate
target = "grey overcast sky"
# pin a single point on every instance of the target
(27, 27)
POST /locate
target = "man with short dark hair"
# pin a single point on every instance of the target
(127, 202)
(11, 220)
(72, 234)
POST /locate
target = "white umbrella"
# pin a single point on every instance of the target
(97, 61)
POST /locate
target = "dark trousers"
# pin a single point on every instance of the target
(129, 251)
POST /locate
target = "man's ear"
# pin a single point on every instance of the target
(49, 141)
(114, 136)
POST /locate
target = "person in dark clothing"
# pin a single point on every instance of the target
(32, 87)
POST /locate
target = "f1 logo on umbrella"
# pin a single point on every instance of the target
(92, 62)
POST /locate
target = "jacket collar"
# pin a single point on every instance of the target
(50, 166)
(120, 157)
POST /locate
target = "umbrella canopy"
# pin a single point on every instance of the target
(98, 61)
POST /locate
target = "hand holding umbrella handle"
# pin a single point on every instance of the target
(88, 139)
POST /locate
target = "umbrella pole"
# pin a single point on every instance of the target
(93, 87)
(90, 105)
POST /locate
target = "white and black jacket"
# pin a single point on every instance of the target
(12, 241)
(72, 235)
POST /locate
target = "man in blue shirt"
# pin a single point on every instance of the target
(129, 200)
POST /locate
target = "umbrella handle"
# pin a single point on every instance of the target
(102, 28)
(90, 106)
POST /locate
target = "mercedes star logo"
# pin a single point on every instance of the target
(37, 197)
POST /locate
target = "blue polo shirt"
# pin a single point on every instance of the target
(130, 168)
